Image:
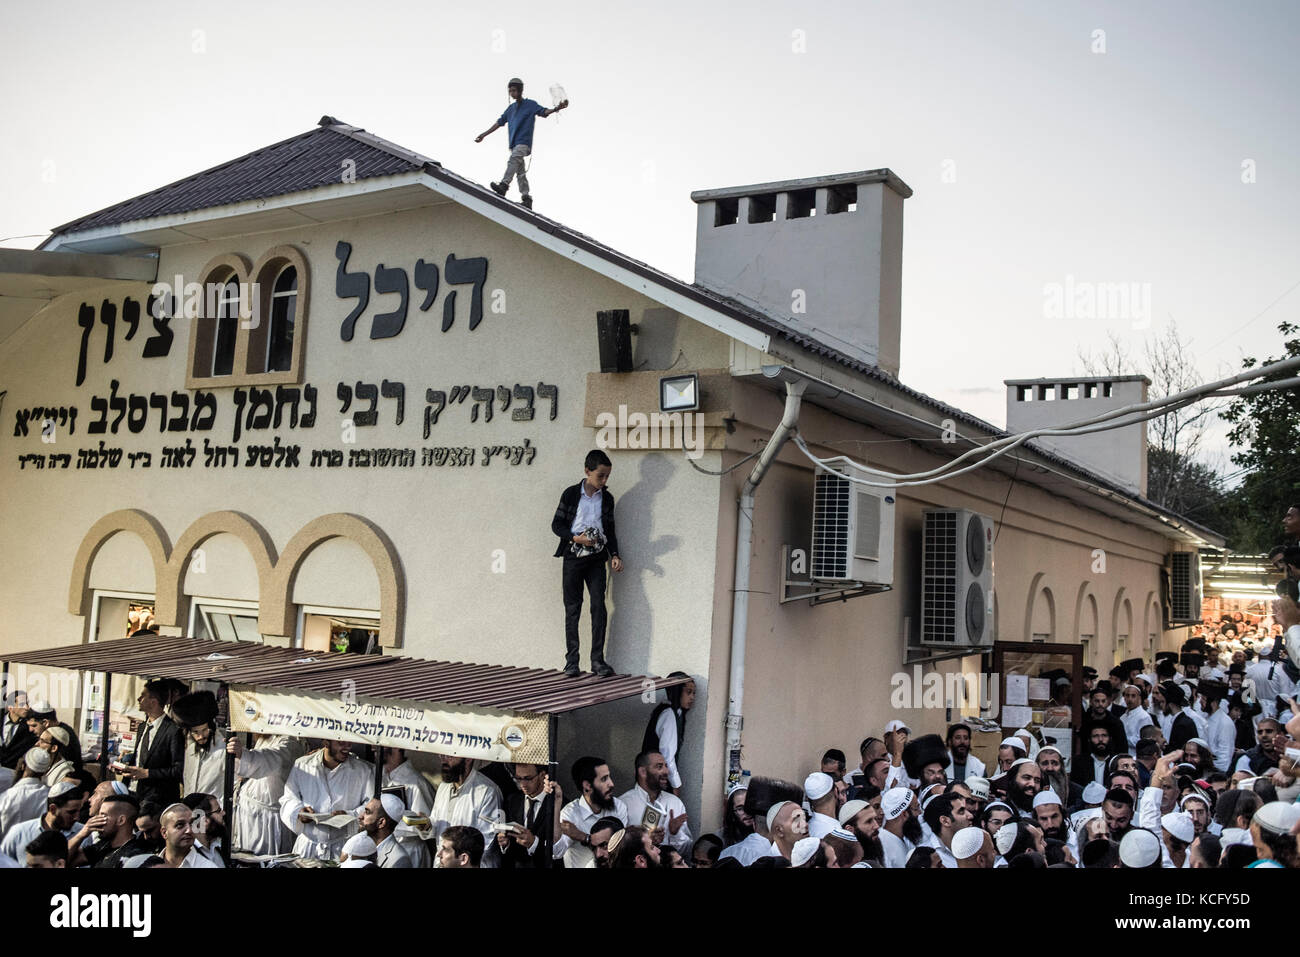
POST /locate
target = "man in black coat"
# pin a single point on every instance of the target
(1100, 715)
(16, 738)
(1183, 728)
(160, 750)
(533, 807)
(584, 523)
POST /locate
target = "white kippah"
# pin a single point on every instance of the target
(1005, 837)
(1047, 797)
(1139, 848)
(356, 862)
(895, 801)
(62, 788)
(37, 760)
(817, 785)
(1094, 792)
(773, 811)
(120, 788)
(1014, 742)
(393, 807)
(1179, 824)
(360, 845)
(967, 842)
(851, 810)
(803, 851)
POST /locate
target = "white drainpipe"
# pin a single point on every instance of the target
(740, 596)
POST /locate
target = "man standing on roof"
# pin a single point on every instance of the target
(519, 117)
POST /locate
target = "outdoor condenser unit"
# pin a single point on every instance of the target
(1184, 588)
(853, 531)
(956, 579)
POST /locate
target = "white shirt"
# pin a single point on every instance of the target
(419, 798)
(749, 850)
(1221, 734)
(196, 859)
(666, 731)
(204, 771)
(895, 848)
(1134, 721)
(580, 814)
(819, 825)
(346, 789)
(638, 799)
(945, 855)
(22, 834)
(468, 805)
(589, 511)
(261, 772)
(1270, 680)
(6, 779)
(22, 802)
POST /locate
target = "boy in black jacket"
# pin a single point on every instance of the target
(584, 523)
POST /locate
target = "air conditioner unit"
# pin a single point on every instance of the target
(852, 533)
(1184, 588)
(956, 579)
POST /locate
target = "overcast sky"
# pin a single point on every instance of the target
(1163, 150)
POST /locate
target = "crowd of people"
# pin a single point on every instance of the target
(1190, 760)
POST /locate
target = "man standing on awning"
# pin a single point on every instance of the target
(327, 781)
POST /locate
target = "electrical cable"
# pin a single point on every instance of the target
(726, 470)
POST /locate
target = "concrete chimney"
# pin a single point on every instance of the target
(1117, 454)
(824, 255)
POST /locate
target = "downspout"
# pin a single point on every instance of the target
(740, 593)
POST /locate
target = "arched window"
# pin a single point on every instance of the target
(284, 303)
(227, 319)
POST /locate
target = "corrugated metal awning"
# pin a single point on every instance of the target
(415, 680)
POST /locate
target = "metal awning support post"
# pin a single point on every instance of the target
(379, 769)
(553, 767)
(228, 788)
(103, 737)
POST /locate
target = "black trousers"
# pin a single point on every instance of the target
(578, 573)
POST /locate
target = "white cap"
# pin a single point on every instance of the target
(1019, 761)
(895, 801)
(896, 725)
(967, 842)
(1200, 743)
(1139, 848)
(1149, 679)
(1052, 747)
(37, 760)
(393, 807)
(62, 788)
(803, 851)
(357, 862)
(1277, 817)
(1094, 792)
(120, 788)
(1014, 742)
(851, 810)
(1047, 797)
(994, 805)
(1006, 836)
(1179, 824)
(1193, 796)
(842, 834)
(773, 811)
(360, 845)
(59, 734)
(979, 787)
(817, 785)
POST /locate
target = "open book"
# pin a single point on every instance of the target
(332, 818)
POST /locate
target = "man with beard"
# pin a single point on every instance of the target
(1100, 715)
(1024, 781)
(788, 825)
(962, 764)
(1200, 756)
(651, 790)
(1197, 806)
(1117, 810)
(902, 828)
(1219, 729)
(328, 780)
(863, 821)
(762, 794)
(115, 824)
(1092, 765)
(1010, 750)
(602, 832)
(1049, 815)
(379, 820)
(208, 822)
(1052, 763)
(1268, 749)
(595, 800)
(466, 797)
(847, 848)
(926, 760)
(1134, 718)
(946, 817)
(1176, 834)
(1181, 728)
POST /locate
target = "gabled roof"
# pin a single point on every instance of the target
(315, 158)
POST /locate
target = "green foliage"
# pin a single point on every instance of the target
(1265, 431)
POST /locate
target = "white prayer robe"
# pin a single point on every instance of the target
(637, 800)
(819, 825)
(749, 850)
(974, 767)
(204, 771)
(895, 848)
(346, 789)
(1221, 733)
(22, 802)
(945, 855)
(261, 772)
(419, 798)
(1134, 721)
(469, 805)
